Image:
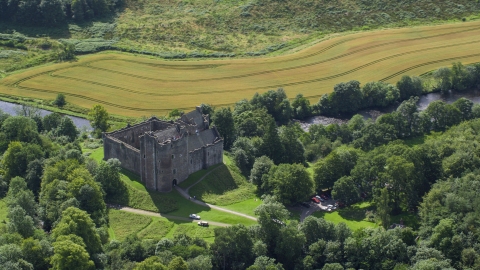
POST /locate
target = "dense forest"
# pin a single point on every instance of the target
(54, 12)
(424, 163)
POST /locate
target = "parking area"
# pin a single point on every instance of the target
(320, 203)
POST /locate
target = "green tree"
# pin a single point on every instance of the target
(52, 121)
(337, 164)
(345, 190)
(289, 247)
(108, 175)
(18, 156)
(152, 263)
(77, 222)
(232, 247)
(347, 96)
(260, 170)
(67, 128)
(271, 217)
(223, 120)
(70, 255)
(444, 76)
(383, 207)
(301, 107)
(272, 146)
(399, 176)
(52, 14)
(294, 152)
(409, 87)
(98, 117)
(201, 262)
(20, 222)
(291, 183)
(37, 252)
(20, 128)
(177, 264)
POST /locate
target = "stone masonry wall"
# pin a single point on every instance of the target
(128, 156)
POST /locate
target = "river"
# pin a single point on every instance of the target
(80, 123)
(422, 104)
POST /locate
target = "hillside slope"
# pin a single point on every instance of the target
(233, 27)
(253, 26)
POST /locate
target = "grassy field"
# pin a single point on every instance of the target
(224, 186)
(353, 216)
(139, 86)
(123, 224)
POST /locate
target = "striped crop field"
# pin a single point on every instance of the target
(140, 86)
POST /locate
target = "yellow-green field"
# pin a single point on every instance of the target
(136, 86)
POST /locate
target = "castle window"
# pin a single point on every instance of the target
(143, 156)
(173, 156)
(208, 153)
(174, 171)
(191, 161)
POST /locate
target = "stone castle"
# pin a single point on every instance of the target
(165, 153)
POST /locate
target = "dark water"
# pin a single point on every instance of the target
(422, 104)
(80, 123)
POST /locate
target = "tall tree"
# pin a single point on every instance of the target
(223, 120)
(291, 183)
(383, 207)
(98, 117)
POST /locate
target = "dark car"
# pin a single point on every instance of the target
(305, 204)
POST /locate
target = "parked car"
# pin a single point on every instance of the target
(324, 196)
(203, 223)
(194, 216)
(315, 200)
(305, 204)
(329, 206)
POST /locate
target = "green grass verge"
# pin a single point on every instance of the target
(123, 224)
(245, 207)
(353, 216)
(224, 186)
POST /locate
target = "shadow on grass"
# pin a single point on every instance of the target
(217, 182)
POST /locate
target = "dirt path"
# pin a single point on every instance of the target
(184, 193)
(154, 214)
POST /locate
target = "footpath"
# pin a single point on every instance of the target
(155, 214)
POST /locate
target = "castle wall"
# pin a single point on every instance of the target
(130, 135)
(173, 164)
(128, 156)
(148, 163)
(214, 154)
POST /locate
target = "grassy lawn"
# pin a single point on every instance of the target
(224, 186)
(123, 224)
(353, 216)
(245, 207)
(194, 177)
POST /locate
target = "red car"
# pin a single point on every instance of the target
(315, 200)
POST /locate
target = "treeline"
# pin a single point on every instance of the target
(257, 144)
(54, 12)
